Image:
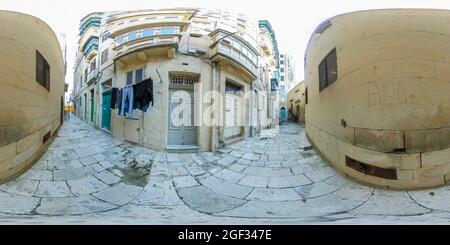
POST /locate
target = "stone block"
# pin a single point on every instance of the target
(427, 140)
(7, 152)
(27, 142)
(379, 140)
(25, 156)
(435, 158)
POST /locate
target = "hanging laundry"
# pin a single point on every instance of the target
(119, 100)
(127, 102)
(143, 95)
(113, 98)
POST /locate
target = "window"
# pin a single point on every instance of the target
(274, 84)
(42, 71)
(139, 75)
(119, 40)
(328, 70)
(129, 78)
(105, 36)
(131, 36)
(86, 74)
(306, 95)
(281, 62)
(282, 78)
(135, 76)
(104, 57)
(93, 65)
(281, 69)
(147, 32)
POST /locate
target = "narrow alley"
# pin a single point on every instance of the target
(88, 176)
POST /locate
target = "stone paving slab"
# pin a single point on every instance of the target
(36, 174)
(267, 172)
(73, 205)
(119, 194)
(274, 195)
(16, 204)
(437, 199)
(108, 177)
(316, 190)
(158, 192)
(225, 188)
(184, 181)
(229, 175)
(288, 181)
(53, 189)
(255, 181)
(390, 203)
(73, 173)
(23, 187)
(207, 201)
(86, 185)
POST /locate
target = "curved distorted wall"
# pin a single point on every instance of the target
(385, 120)
(30, 113)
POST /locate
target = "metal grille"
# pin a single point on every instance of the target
(367, 169)
(182, 80)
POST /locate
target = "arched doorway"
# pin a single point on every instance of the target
(283, 114)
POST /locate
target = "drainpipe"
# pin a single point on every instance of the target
(252, 90)
(213, 105)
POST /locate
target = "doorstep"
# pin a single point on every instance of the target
(182, 148)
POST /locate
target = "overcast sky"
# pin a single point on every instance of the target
(293, 21)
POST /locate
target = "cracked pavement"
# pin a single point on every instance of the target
(86, 176)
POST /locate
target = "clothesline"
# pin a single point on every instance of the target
(135, 96)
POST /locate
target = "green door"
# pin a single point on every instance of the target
(92, 105)
(106, 110)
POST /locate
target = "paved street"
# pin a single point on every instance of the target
(87, 176)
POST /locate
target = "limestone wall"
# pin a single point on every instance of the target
(296, 100)
(390, 106)
(28, 111)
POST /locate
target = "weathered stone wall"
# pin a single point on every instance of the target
(296, 97)
(390, 106)
(28, 111)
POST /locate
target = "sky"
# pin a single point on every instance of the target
(293, 21)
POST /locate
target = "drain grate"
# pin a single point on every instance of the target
(385, 173)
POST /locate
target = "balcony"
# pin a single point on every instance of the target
(235, 51)
(149, 41)
(266, 46)
(92, 75)
(90, 48)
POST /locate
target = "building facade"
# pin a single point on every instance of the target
(287, 76)
(269, 73)
(378, 106)
(31, 91)
(296, 103)
(203, 67)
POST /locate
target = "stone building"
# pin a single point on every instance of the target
(287, 76)
(31, 91)
(379, 104)
(269, 75)
(203, 65)
(296, 103)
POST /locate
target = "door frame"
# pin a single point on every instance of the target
(110, 113)
(170, 85)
